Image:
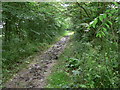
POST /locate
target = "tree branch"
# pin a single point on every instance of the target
(83, 9)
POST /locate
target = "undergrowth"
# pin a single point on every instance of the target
(20, 55)
(87, 66)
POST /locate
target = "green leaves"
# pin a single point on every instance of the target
(101, 24)
(93, 23)
(102, 17)
(109, 22)
(100, 34)
(107, 25)
(26, 24)
(104, 29)
(73, 64)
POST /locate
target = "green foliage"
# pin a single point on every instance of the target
(72, 63)
(90, 67)
(29, 27)
(96, 50)
(59, 78)
(91, 60)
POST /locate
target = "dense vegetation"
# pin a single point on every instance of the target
(96, 51)
(91, 58)
(28, 28)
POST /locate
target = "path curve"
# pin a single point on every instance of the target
(34, 76)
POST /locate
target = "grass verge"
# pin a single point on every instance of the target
(59, 78)
(21, 60)
(85, 65)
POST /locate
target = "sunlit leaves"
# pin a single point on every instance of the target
(104, 29)
(109, 22)
(107, 25)
(94, 22)
(103, 26)
(109, 14)
(102, 17)
(100, 34)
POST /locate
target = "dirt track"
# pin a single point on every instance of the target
(35, 75)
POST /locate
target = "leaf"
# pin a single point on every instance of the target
(104, 29)
(83, 86)
(98, 35)
(116, 3)
(107, 25)
(108, 10)
(109, 22)
(103, 34)
(35, 32)
(101, 17)
(104, 16)
(95, 22)
(84, 24)
(91, 22)
(109, 14)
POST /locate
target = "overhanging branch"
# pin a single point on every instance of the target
(83, 9)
